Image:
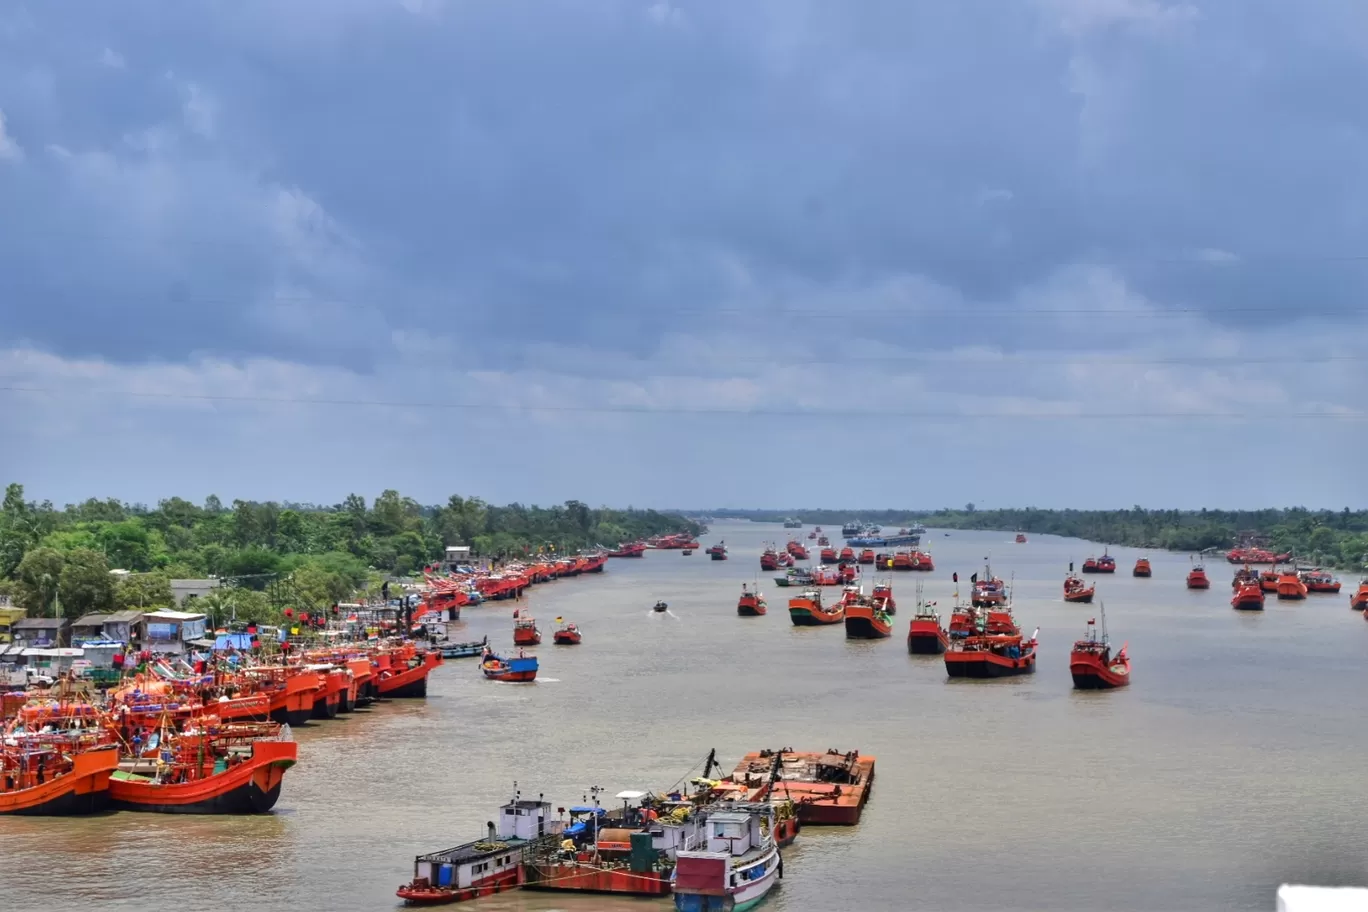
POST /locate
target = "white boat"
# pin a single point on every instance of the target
(738, 866)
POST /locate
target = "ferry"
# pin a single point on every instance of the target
(751, 603)
(737, 867)
(485, 866)
(1093, 666)
(807, 610)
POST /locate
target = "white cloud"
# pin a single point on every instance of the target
(10, 149)
(112, 59)
(1080, 18)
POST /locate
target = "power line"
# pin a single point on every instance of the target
(676, 410)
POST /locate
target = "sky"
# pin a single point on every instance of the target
(894, 253)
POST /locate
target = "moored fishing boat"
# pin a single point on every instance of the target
(1359, 600)
(988, 590)
(751, 603)
(629, 549)
(795, 577)
(1290, 587)
(525, 632)
(486, 866)
(823, 542)
(55, 774)
(464, 650)
(718, 552)
(516, 669)
(847, 555)
(883, 598)
(769, 560)
(866, 556)
(1318, 581)
(738, 865)
(1245, 576)
(864, 620)
(797, 550)
(1021, 538)
(1256, 556)
(407, 673)
(926, 635)
(208, 768)
(1197, 578)
(827, 576)
(1076, 590)
(1248, 597)
(1142, 568)
(1268, 581)
(991, 656)
(827, 555)
(807, 610)
(1091, 663)
(566, 634)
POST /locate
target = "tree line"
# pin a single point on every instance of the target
(1327, 537)
(270, 555)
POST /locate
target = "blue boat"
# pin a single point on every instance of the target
(518, 668)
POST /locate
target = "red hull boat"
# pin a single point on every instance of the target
(525, 632)
(991, 657)
(751, 603)
(231, 785)
(566, 634)
(1075, 590)
(1142, 568)
(1291, 588)
(1093, 666)
(1197, 578)
(865, 622)
(1249, 597)
(63, 785)
(1359, 600)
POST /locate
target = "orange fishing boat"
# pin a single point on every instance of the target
(1142, 568)
(797, 550)
(566, 634)
(525, 632)
(1268, 580)
(863, 619)
(807, 610)
(1359, 600)
(988, 590)
(883, 598)
(212, 769)
(1248, 597)
(991, 656)
(1021, 538)
(1319, 581)
(56, 774)
(1197, 578)
(867, 556)
(925, 635)
(769, 559)
(1075, 590)
(751, 603)
(407, 673)
(1093, 666)
(827, 555)
(1245, 576)
(1290, 587)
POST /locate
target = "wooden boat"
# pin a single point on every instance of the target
(883, 598)
(1359, 600)
(521, 667)
(463, 650)
(1075, 590)
(739, 865)
(1197, 578)
(866, 621)
(1142, 568)
(213, 769)
(565, 634)
(483, 867)
(1093, 666)
(1319, 581)
(807, 610)
(56, 774)
(991, 656)
(751, 603)
(925, 635)
(1290, 587)
(866, 556)
(1248, 597)
(525, 632)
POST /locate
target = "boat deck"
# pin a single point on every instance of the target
(827, 788)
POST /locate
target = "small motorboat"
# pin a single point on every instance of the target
(565, 634)
(660, 607)
(688, 552)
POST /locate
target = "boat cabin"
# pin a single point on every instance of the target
(493, 859)
(733, 832)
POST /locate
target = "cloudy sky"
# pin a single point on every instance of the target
(686, 252)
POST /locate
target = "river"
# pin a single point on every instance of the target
(1231, 764)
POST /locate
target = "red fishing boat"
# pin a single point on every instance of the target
(1142, 568)
(925, 635)
(823, 542)
(1256, 556)
(484, 867)
(1075, 590)
(883, 598)
(56, 773)
(630, 549)
(1197, 578)
(1290, 587)
(1021, 538)
(769, 560)
(807, 610)
(847, 554)
(991, 656)
(921, 562)
(865, 621)
(797, 550)
(565, 634)
(812, 535)
(1268, 581)
(1093, 666)
(751, 603)
(525, 632)
(1359, 600)
(1319, 581)
(407, 673)
(828, 555)
(1246, 576)
(867, 556)
(516, 669)
(718, 551)
(208, 768)
(1104, 564)
(1248, 597)
(988, 589)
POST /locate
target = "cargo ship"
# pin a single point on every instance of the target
(828, 789)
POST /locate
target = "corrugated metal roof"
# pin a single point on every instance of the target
(40, 623)
(91, 620)
(123, 617)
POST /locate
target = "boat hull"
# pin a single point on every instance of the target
(865, 628)
(803, 617)
(980, 665)
(926, 642)
(416, 895)
(406, 684)
(750, 611)
(1082, 598)
(566, 639)
(575, 878)
(84, 790)
(1247, 604)
(1090, 674)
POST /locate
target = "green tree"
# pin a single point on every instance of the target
(86, 584)
(143, 592)
(37, 579)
